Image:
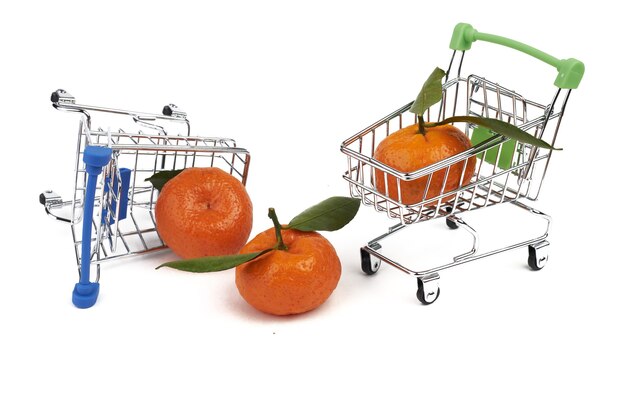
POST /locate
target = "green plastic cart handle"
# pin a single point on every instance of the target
(570, 70)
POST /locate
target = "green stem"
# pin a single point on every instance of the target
(420, 125)
(277, 228)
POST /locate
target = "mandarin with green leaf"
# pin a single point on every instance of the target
(408, 150)
(203, 212)
(294, 280)
(288, 269)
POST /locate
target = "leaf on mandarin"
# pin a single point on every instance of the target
(159, 179)
(213, 263)
(431, 93)
(331, 214)
(500, 127)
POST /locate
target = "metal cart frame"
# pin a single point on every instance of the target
(506, 171)
(111, 213)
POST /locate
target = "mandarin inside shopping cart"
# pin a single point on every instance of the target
(204, 212)
(408, 150)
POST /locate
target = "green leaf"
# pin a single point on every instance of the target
(159, 179)
(331, 214)
(213, 263)
(500, 127)
(430, 94)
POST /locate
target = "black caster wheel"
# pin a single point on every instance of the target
(427, 298)
(451, 224)
(369, 264)
(538, 255)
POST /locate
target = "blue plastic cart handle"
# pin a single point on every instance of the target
(86, 292)
(122, 198)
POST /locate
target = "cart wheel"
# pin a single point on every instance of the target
(450, 223)
(369, 264)
(538, 255)
(428, 296)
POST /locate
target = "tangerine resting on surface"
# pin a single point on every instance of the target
(291, 281)
(204, 212)
(407, 150)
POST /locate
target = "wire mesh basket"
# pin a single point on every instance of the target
(495, 170)
(111, 213)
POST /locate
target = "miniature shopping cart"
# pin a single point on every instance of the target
(111, 213)
(506, 171)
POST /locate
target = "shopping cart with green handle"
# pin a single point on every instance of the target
(506, 171)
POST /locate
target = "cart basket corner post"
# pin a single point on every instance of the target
(504, 170)
(111, 212)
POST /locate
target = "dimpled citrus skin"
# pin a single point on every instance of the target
(204, 212)
(292, 281)
(407, 150)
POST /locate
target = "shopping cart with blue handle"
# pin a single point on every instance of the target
(111, 214)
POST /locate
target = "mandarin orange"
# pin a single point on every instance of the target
(290, 281)
(407, 150)
(204, 212)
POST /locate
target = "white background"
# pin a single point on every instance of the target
(291, 81)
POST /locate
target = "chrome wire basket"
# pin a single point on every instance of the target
(111, 213)
(504, 170)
